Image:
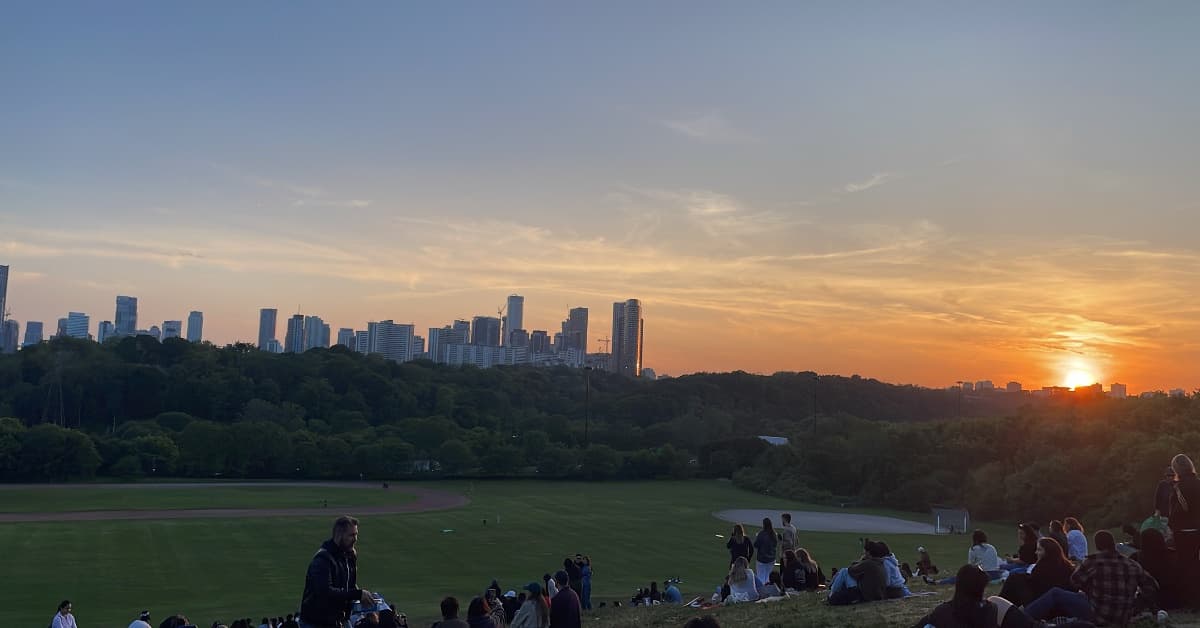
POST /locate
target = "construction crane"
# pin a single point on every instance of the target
(604, 343)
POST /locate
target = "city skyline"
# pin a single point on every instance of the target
(883, 189)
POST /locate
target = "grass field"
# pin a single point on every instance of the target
(219, 569)
(142, 497)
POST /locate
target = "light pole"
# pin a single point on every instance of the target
(587, 404)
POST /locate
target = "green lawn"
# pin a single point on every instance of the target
(142, 497)
(215, 569)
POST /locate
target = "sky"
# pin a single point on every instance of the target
(917, 192)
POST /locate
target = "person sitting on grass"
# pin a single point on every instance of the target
(773, 588)
(495, 606)
(814, 578)
(1160, 562)
(450, 615)
(1051, 570)
(969, 609)
(925, 566)
(982, 554)
(1108, 583)
(896, 586)
(1027, 545)
(863, 581)
(534, 611)
(143, 620)
(1077, 545)
(671, 593)
(739, 545)
(479, 615)
(707, 621)
(741, 582)
(63, 617)
(1059, 533)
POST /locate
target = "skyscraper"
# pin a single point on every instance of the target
(462, 332)
(575, 329)
(172, 329)
(345, 337)
(539, 341)
(266, 326)
(195, 331)
(3, 293)
(105, 331)
(514, 317)
(439, 337)
(33, 334)
(61, 330)
(316, 333)
(362, 342)
(10, 332)
(485, 330)
(392, 341)
(126, 316)
(627, 332)
(294, 342)
(78, 324)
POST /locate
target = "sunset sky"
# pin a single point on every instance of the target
(917, 192)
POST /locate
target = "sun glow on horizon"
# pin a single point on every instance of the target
(1077, 378)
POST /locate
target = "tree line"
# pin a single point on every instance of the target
(136, 407)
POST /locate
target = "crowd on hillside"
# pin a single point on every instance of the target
(1051, 577)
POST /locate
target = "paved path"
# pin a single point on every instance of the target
(829, 521)
(426, 500)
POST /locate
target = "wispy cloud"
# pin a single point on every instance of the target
(707, 126)
(347, 204)
(876, 180)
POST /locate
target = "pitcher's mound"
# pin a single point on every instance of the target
(828, 521)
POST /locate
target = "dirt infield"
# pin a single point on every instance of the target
(426, 500)
(829, 521)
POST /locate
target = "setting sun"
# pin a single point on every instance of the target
(1078, 378)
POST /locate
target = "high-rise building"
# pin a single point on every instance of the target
(514, 317)
(77, 325)
(438, 339)
(195, 330)
(3, 293)
(1013, 387)
(294, 342)
(485, 331)
(266, 326)
(539, 341)
(575, 330)
(10, 333)
(126, 316)
(392, 341)
(627, 334)
(418, 348)
(1118, 391)
(172, 329)
(33, 334)
(105, 331)
(61, 330)
(362, 342)
(316, 333)
(462, 332)
(154, 332)
(345, 337)
(273, 346)
(518, 338)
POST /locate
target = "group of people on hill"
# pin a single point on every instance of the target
(1056, 577)
(65, 618)
(797, 570)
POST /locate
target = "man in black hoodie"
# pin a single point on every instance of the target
(330, 586)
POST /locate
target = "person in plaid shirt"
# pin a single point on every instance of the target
(1108, 584)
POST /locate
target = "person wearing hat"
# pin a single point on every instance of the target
(143, 621)
(534, 613)
(565, 610)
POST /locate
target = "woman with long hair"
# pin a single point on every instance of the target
(1160, 561)
(1052, 569)
(791, 574)
(585, 571)
(765, 545)
(739, 545)
(1077, 544)
(982, 555)
(1059, 533)
(479, 615)
(813, 576)
(741, 582)
(967, 609)
(63, 617)
(534, 612)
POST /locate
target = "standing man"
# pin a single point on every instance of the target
(564, 606)
(331, 584)
(787, 534)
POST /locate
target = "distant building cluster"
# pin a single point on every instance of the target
(483, 341)
(78, 324)
(985, 387)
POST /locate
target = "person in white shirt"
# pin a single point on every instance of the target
(63, 618)
(143, 621)
(982, 554)
(742, 587)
